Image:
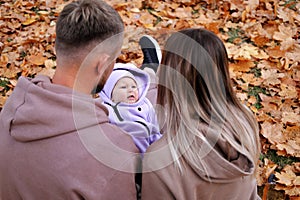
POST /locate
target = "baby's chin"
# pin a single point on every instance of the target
(131, 101)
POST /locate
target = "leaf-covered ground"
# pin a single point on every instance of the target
(262, 38)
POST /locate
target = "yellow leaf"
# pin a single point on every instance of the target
(37, 59)
(29, 21)
(148, 25)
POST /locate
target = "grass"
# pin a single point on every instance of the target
(254, 91)
(281, 161)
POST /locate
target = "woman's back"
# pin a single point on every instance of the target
(228, 180)
(210, 142)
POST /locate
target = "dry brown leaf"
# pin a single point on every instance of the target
(291, 148)
(288, 91)
(252, 100)
(286, 178)
(271, 77)
(50, 63)
(246, 52)
(293, 133)
(270, 99)
(147, 19)
(242, 96)
(291, 117)
(273, 132)
(294, 54)
(291, 191)
(284, 33)
(182, 24)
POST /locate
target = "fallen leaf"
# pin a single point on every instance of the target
(271, 76)
(291, 117)
(275, 52)
(242, 66)
(29, 21)
(286, 178)
(273, 132)
(288, 91)
(284, 33)
(38, 59)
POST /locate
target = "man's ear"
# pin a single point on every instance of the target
(103, 63)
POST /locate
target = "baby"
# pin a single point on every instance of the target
(124, 95)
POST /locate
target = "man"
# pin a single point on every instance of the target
(55, 139)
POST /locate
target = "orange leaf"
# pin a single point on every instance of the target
(275, 52)
(260, 41)
(242, 66)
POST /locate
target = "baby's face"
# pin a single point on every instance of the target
(125, 90)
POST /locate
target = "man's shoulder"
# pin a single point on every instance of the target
(118, 137)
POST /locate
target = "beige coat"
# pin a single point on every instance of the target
(228, 180)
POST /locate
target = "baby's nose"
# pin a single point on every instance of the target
(131, 89)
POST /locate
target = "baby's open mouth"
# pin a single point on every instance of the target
(131, 97)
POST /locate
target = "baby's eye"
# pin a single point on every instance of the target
(123, 87)
(133, 87)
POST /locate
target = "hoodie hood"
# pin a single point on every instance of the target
(28, 119)
(218, 165)
(223, 166)
(126, 70)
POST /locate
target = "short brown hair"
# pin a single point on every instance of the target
(85, 21)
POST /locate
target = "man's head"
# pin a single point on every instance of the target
(83, 24)
(89, 37)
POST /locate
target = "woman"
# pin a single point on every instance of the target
(210, 143)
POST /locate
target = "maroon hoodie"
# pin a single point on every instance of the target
(57, 144)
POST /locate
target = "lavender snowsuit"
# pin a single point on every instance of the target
(138, 119)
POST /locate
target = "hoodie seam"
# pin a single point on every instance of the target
(23, 102)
